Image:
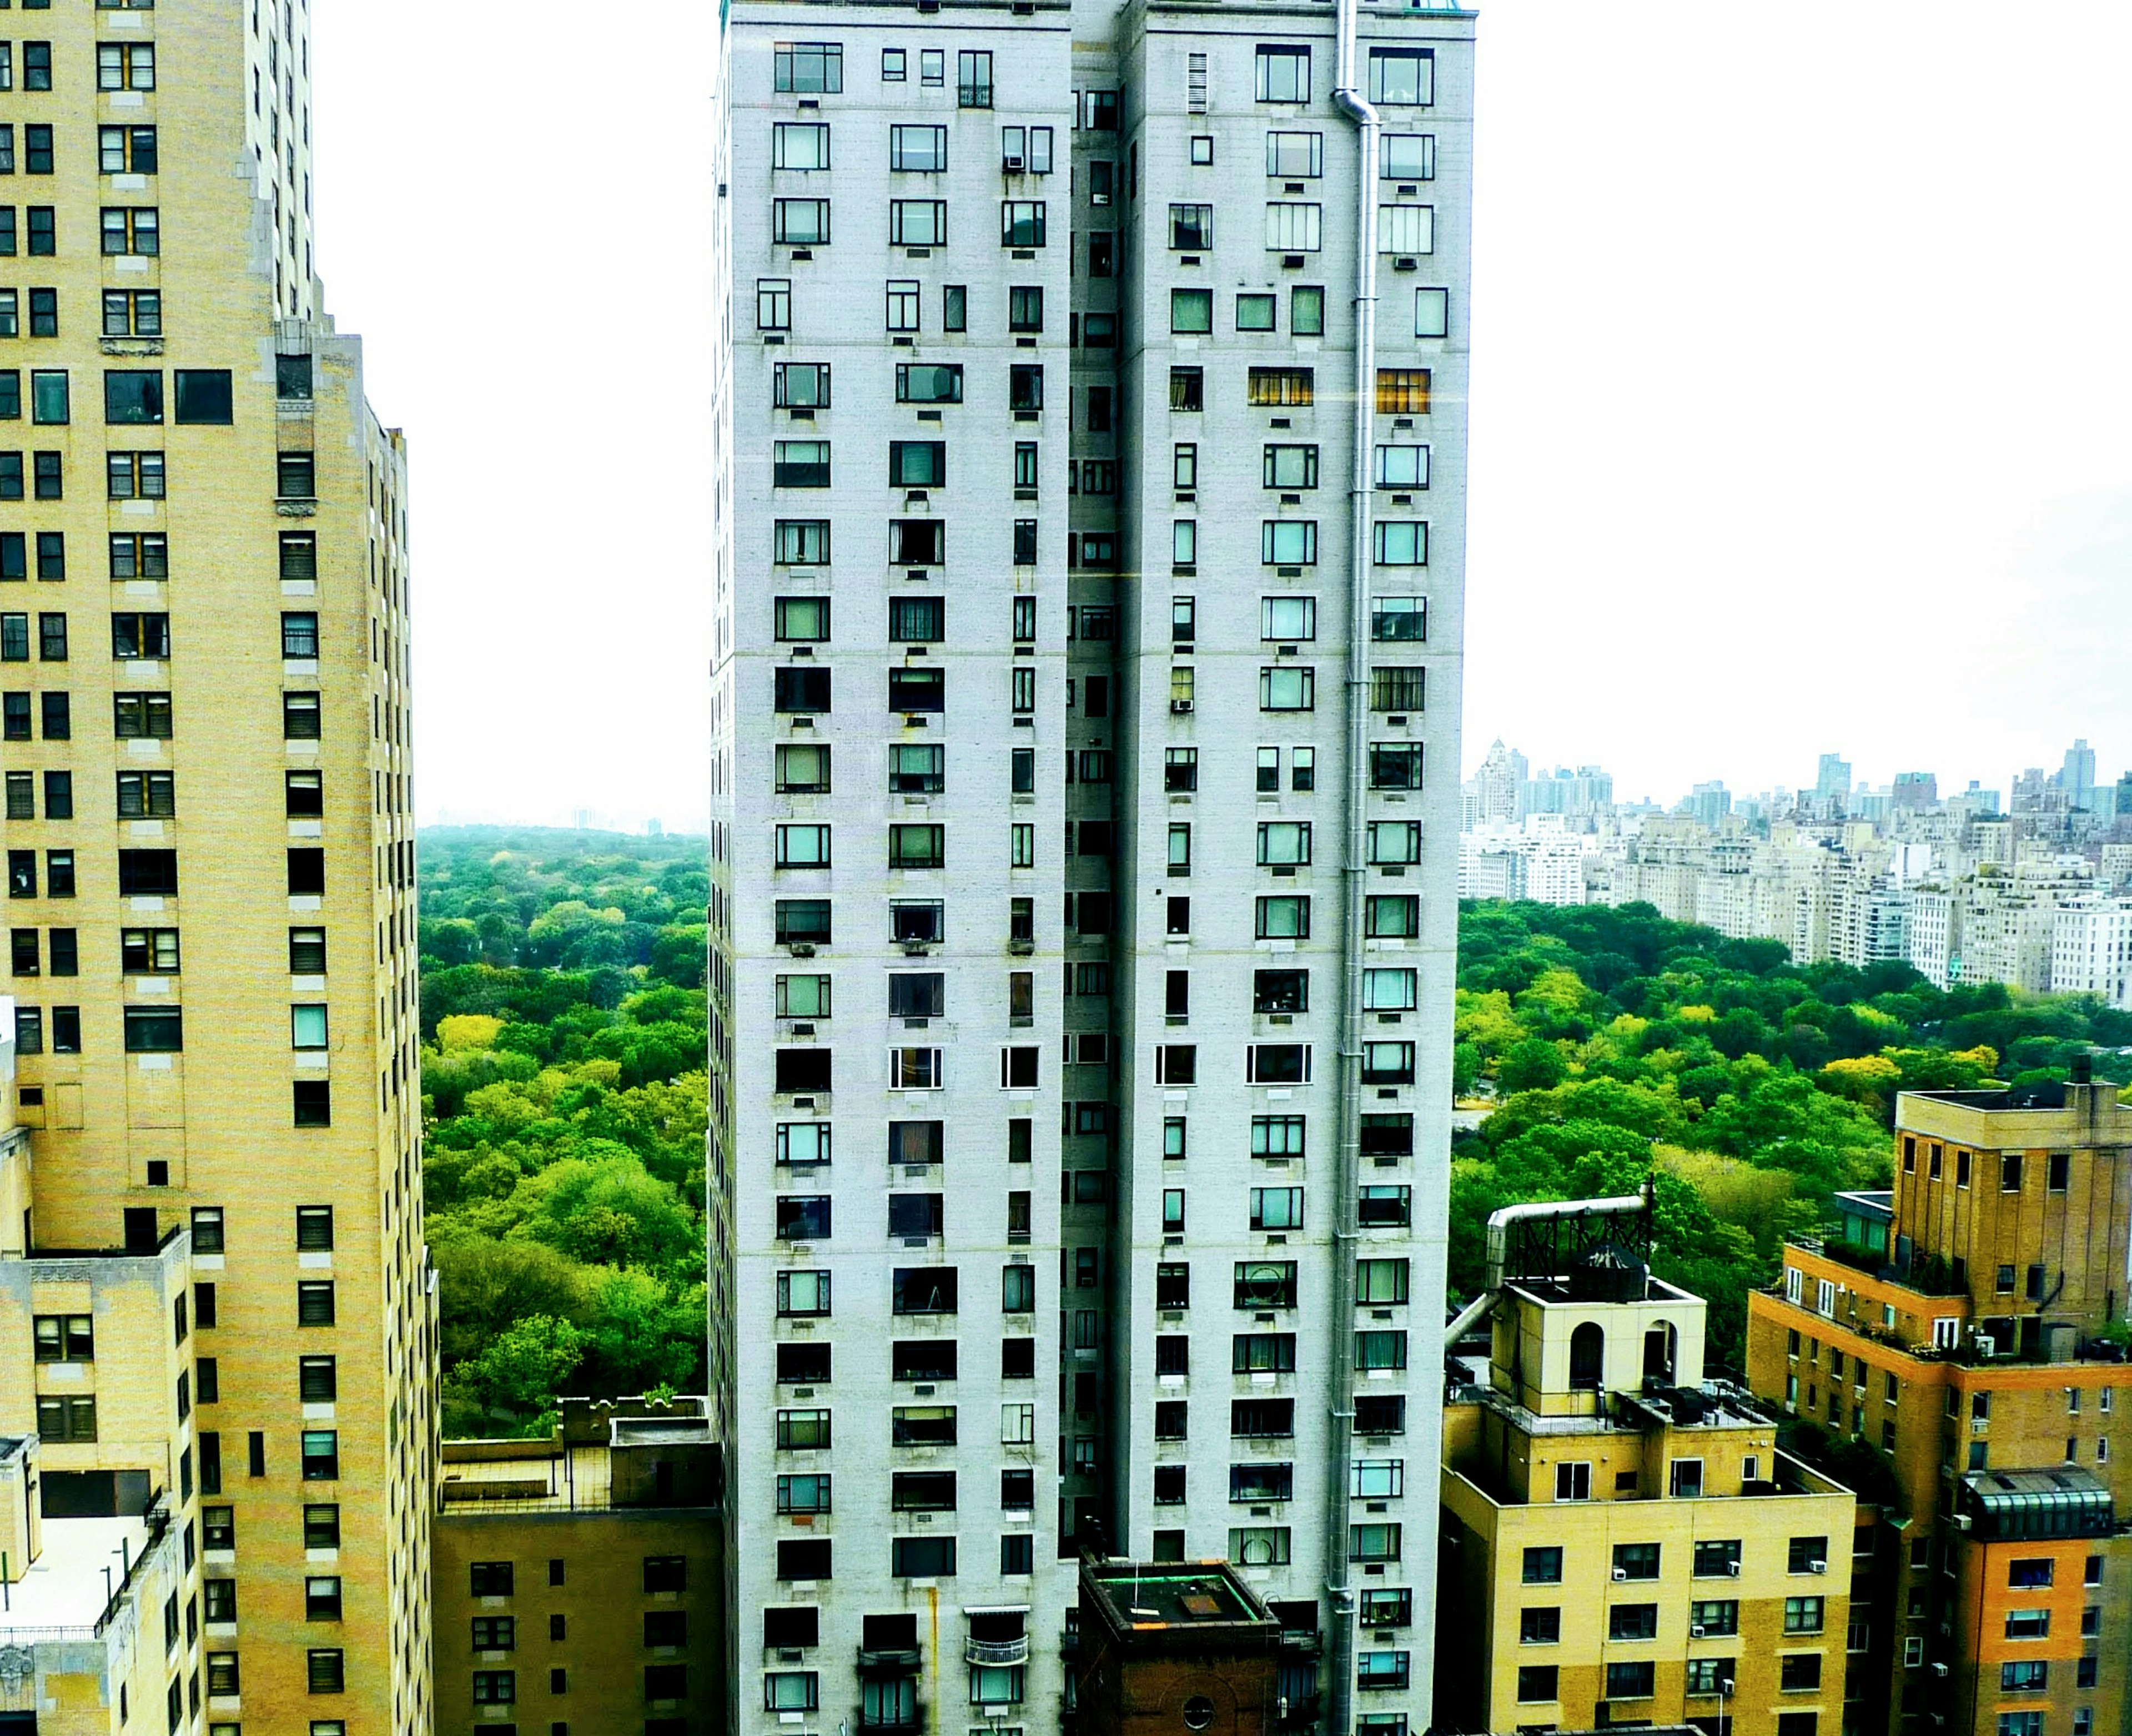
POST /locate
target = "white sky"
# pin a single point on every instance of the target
(1802, 378)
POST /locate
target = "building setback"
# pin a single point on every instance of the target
(214, 1302)
(1082, 920)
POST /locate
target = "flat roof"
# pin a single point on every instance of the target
(1173, 1597)
(66, 1586)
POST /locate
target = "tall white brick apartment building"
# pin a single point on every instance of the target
(1084, 919)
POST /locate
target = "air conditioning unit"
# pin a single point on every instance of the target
(801, 950)
(1011, 166)
(1620, 1573)
(1180, 706)
(1694, 1631)
(1939, 1669)
(1817, 1566)
(1732, 1568)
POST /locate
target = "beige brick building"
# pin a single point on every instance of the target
(214, 1302)
(580, 1580)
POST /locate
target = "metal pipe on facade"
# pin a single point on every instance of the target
(1620, 1205)
(1340, 1631)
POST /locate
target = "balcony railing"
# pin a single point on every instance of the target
(997, 1652)
(889, 1661)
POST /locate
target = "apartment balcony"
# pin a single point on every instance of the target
(998, 1653)
(889, 1661)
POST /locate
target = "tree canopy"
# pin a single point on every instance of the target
(563, 1082)
(1612, 1044)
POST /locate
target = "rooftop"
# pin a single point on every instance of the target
(1152, 1598)
(1715, 1404)
(2062, 1502)
(67, 1589)
(522, 1475)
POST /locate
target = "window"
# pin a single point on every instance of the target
(1021, 222)
(123, 66)
(801, 1294)
(922, 1558)
(973, 79)
(1397, 689)
(1381, 1282)
(2028, 1623)
(1803, 1615)
(1536, 1683)
(1279, 388)
(1288, 542)
(1379, 1349)
(1633, 1621)
(1406, 156)
(801, 464)
(1293, 228)
(809, 68)
(1432, 313)
(1191, 311)
(800, 222)
(773, 303)
(1284, 74)
(1400, 543)
(1634, 1680)
(801, 543)
(1402, 76)
(1284, 842)
(1402, 391)
(800, 145)
(320, 1455)
(1800, 1673)
(916, 768)
(917, 223)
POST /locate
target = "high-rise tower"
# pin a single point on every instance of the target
(1089, 543)
(213, 1296)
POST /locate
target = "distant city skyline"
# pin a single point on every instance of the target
(1631, 789)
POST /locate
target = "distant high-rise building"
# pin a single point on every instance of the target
(2077, 775)
(1831, 780)
(1916, 791)
(1581, 795)
(1709, 803)
(1496, 786)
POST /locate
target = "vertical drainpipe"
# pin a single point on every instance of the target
(1340, 1631)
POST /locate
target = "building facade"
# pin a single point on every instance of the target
(209, 838)
(1624, 1543)
(579, 1580)
(1979, 1351)
(1074, 1076)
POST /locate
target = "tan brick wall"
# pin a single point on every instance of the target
(219, 1115)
